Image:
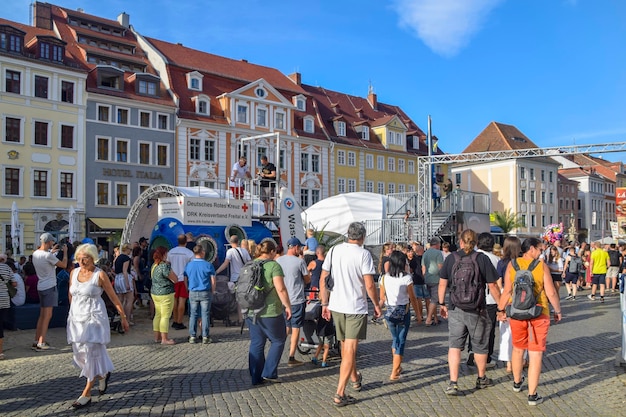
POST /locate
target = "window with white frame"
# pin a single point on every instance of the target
(522, 172)
(340, 128)
(533, 196)
(41, 133)
(381, 187)
(380, 160)
(145, 151)
(13, 130)
(148, 88)
(315, 196)
(365, 133)
(67, 91)
(533, 220)
(103, 193)
(341, 185)
(391, 164)
(531, 172)
(341, 157)
(144, 119)
(143, 187)
(280, 121)
(209, 150)
(304, 162)
(304, 197)
(195, 84)
(261, 117)
(41, 86)
(67, 137)
(66, 184)
(300, 102)
(121, 150)
(12, 82)
(309, 125)
(162, 155)
(194, 80)
(163, 121)
(391, 187)
(202, 104)
(121, 193)
(411, 167)
(103, 149)
(351, 185)
(411, 188)
(351, 159)
(104, 113)
(401, 188)
(369, 161)
(391, 138)
(242, 113)
(401, 166)
(369, 186)
(543, 197)
(12, 184)
(315, 162)
(551, 176)
(41, 183)
(122, 116)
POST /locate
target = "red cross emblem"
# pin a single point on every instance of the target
(289, 203)
(244, 207)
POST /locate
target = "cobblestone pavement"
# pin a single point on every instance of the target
(580, 376)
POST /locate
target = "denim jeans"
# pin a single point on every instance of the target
(199, 300)
(272, 328)
(399, 332)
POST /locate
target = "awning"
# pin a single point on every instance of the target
(105, 223)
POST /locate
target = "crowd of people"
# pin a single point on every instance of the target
(414, 281)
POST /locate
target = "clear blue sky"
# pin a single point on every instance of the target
(556, 69)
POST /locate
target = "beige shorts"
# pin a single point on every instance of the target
(612, 271)
(350, 326)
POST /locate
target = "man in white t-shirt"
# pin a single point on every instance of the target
(239, 174)
(45, 262)
(179, 257)
(353, 272)
(236, 257)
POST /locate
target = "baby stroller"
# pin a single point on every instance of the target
(309, 338)
(115, 320)
(224, 303)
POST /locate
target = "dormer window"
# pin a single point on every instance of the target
(340, 128)
(364, 133)
(202, 104)
(146, 84)
(11, 39)
(110, 77)
(194, 80)
(309, 125)
(300, 102)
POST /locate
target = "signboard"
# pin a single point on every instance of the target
(206, 211)
(620, 210)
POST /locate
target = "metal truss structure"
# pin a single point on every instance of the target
(424, 164)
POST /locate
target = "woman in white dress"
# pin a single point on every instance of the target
(88, 328)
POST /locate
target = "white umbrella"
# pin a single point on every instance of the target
(15, 228)
(72, 220)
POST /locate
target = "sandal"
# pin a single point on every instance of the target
(81, 402)
(342, 401)
(358, 384)
(168, 342)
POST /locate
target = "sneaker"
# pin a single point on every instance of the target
(535, 399)
(569, 297)
(192, 340)
(452, 388)
(294, 362)
(592, 297)
(470, 360)
(483, 382)
(314, 361)
(325, 365)
(207, 340)
(34, 346)
(517, 386)
(601, 299)
(574, 298)
(42, 346)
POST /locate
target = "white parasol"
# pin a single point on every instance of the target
(15, 228)
(72, 220)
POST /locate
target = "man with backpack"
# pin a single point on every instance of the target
(615, 257)
(467, 273)
(528, 287)
(571, 272)
(236, 258)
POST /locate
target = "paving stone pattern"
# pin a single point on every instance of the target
(580, 376)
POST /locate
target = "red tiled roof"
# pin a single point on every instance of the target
(499, 137)
(206, 63)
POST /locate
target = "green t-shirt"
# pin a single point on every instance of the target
(273, 305)
(161, 284)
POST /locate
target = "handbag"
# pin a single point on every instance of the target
(11, 289)
(395, 314)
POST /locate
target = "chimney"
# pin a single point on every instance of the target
(371, 98)
(296, 77)
(124, 19)
(43, 15)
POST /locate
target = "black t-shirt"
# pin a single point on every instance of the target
(267, 170)
(488, 273)
(119, 263)
(416, 270)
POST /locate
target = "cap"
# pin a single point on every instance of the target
(47, 237)
(294, 241)
(142, 239)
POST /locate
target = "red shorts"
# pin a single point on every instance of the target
(530, 334)
(180, 290)
(237, 192)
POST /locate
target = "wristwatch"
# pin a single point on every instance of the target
(500, 311)
(441, 304)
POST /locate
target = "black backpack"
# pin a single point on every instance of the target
(575, 264)
(614, 257)
(250, 290)
(467, 290)
(524, 305)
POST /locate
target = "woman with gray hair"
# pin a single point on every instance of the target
(88, 327)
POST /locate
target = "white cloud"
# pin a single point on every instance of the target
(445, 26)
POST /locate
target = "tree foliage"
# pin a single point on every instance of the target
(507, 220)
